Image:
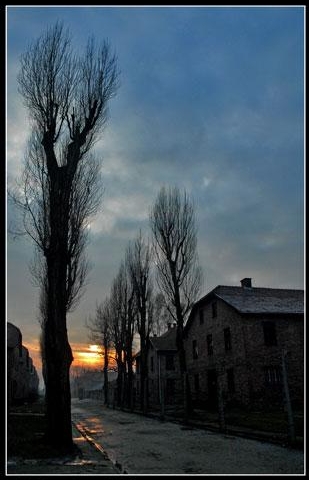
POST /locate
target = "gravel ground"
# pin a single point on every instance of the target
(140, 445)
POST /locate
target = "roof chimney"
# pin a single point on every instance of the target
(246, 283)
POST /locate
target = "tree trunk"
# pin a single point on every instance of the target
(105, 373)
(58, 359)
(187, 401)
(58, 353)
(143, 374)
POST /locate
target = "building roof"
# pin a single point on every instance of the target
(165, 342)
(262, 300)
(255, 300)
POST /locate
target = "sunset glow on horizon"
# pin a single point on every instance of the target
(90, 356)
(84, 356)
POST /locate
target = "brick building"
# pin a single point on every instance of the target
(164, 387)
(236, 340)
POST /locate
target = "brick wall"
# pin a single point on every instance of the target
(242, 370)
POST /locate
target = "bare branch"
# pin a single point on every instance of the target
(172, 222)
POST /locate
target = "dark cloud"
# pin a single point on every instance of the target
(211, 100)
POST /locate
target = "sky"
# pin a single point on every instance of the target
(211, 100)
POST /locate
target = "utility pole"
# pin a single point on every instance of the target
(291, 428)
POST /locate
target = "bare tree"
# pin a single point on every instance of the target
(138, 257)
(123, 329)
(100, 328)
(67, 99)
(172, 222)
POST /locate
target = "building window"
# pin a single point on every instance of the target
(214, 309)
(151, 364)
(227, 339)
(196, 382)
(270, 337)
(230, 380)
(272, 375)
(194, 349)
(201, 315)
(169, 362)
(210, 348)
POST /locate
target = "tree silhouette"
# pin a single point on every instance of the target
(138, 257)
(67, 98)
(172, 222)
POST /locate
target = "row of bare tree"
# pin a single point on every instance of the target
(136, 306)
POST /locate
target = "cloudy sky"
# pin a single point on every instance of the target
(211, 100)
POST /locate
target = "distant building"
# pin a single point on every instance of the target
(89, 384)
(240, 337)
(22, 377)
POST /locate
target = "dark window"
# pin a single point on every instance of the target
(194, 349)
(196, 382)
(227, 339)
(151, 364)
(201, 314)
(270, 337)
(210, 348)
(272, 375)
(169, 362)
(214, 309)
(230, 380)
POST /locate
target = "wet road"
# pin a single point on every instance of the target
(142, 445)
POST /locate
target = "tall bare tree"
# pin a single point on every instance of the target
(67, 99)
(138, 257)
(172, 222)
(100, 328)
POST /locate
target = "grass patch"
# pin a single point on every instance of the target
(26, 432)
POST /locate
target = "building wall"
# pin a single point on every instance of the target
(290, 339)
(164, 383)
(248, 358)
(22, 377)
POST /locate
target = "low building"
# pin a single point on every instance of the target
(22, 377)
(243, 342)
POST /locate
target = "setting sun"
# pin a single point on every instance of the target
(95, 348)
(87, 356)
